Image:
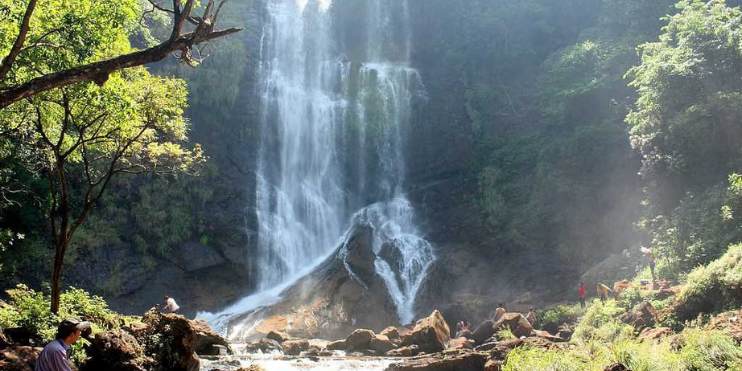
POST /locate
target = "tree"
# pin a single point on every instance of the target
(686, 126)
(28, 81)
(79, 136)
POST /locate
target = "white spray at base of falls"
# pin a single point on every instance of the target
(333, 131)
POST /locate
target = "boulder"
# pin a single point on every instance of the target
(278, 336)
(115, 351)
(547, 336)
(461, 343)
(729, 322)
(408, 351)
(263, 345)
(19, 358)
(337, 345)
(432, 333)
(170, 340)
(493, 365)
(206, 339)
(295, 347)
(360, 339)
(446, 361)
(483, 332)
(381, 344)
(516, 322)
(391, 332)
(644, 316)
(651, 334)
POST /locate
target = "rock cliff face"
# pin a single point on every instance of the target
(439, 182)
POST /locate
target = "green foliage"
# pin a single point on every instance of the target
(505, 334)
(553, 318)
(29, 309)
(534, 359)
(707, 351)
(600, 323)
(712, 288)
(685, 124)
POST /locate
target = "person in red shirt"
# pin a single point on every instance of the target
(582, 291)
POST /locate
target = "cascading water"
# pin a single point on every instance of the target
(333, 125)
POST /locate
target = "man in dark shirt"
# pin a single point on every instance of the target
(56, 355)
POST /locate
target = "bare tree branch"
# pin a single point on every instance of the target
(98, 72)
(19, 41)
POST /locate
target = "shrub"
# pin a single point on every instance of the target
(553, 318)
(712, 288)
(29, 309)
(535, 359)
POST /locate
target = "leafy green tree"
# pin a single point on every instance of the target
(686, 126)
(78, 137)
(60, 28)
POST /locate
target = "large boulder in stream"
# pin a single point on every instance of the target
(352, 296)
(170, 339)
(359, 339)
(431, 334)
(114, 351)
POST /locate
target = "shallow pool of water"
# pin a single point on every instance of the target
(271, 362)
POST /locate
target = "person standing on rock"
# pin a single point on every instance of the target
(56, 355)
(170, 305)
(531, 317)
(603, 291)
(650, 254)
(499, 312)
(582, 291)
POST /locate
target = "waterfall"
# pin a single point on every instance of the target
(334, 119)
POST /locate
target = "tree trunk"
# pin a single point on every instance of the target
(60, 248)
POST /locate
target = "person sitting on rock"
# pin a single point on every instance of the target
(170, 305)
(603, 291)
(499, 312)
(465, 325)
(531, 317)
(56, 355)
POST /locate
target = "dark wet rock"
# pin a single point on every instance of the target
(263, 345)
(337, 345)
(278, 336)
(295, 347)
(206, 339)
(115, 351)
(19, 358)
(483, 332)
(446, 361)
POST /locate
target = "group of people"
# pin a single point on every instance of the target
(56, 355)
